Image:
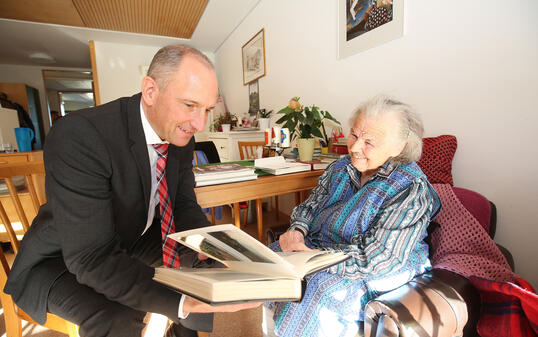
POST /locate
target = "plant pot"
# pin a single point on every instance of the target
(226, 127)
(306, 148)
(263, 123)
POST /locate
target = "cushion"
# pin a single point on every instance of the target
(436, 160)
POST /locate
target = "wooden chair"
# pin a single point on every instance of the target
(249, 151)
(12, 314)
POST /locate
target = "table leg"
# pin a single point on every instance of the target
(276, 208)
(259, 219)
(236, 215)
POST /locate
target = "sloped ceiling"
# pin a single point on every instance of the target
(56, 28)
(174, 18)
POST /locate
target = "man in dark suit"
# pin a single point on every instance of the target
(89, 254)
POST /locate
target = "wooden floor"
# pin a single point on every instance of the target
(240, 324)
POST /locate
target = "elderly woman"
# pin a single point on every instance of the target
(374, 204)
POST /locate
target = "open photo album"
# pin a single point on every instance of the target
(252, 271)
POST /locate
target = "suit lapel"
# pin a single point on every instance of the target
(139, 148)
(172, 169)
(178, 157)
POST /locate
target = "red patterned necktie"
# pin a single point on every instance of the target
(170, 256)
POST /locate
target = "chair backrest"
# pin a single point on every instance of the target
(8, 172)
(33, 172)
(209, 149)
(249, 150)
(199, 158)
(4, 272)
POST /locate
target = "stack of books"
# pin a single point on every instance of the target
(278, 165)
(318, 164)
(221, 174)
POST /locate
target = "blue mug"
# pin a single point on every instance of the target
(24, 139)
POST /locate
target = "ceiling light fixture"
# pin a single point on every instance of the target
(42, 57)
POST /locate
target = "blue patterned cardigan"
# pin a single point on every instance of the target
(381, 226)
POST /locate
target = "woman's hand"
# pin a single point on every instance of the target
(292, 241)
(192, 305)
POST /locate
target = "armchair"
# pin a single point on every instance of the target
(440, 302)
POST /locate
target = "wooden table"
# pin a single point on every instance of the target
(264, 186)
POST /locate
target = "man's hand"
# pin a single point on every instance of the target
(192, 305)
(292, 241)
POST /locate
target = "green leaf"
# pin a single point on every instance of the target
(317, 133)
(284, 111)
(329, 116)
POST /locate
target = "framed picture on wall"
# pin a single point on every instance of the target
(364, 24)
(253, 53)
(253, 98)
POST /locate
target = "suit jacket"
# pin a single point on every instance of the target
(98, 185)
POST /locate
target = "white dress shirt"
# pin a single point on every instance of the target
(151, 139)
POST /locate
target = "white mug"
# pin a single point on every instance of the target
(276, 134)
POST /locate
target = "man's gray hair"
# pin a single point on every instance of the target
(411, 127)
(167, 60)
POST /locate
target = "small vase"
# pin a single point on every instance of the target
(306, 148)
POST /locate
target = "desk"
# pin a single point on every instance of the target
(264, 186)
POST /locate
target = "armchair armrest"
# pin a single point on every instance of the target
(432, 304)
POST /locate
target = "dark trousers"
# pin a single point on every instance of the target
(97, 316)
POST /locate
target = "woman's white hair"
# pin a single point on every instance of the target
(411, 128)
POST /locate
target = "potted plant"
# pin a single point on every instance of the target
(226, 118)
(305, 123)
(264, 119)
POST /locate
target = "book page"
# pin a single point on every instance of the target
(239, 251)
(227, 243)
(307, 262)
(276, 161)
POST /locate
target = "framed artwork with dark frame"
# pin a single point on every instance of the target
(365, 24)
(253, 54)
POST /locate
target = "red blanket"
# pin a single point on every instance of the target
(461, 245)
(508, 309)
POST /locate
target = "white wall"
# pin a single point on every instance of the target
(470, 69)
(32, 76)
(119, 68)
